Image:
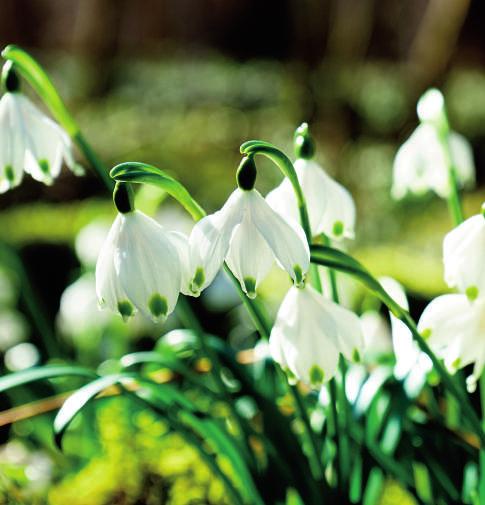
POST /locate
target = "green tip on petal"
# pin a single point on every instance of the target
(44, 166)
(158, 306)
(250, 286)
(9, 173)
(455, 365)
(356, 356)
(471, 293)
(126, 309)
(316, 376)
(197, 281)
(482, 210)
(338, 228)
(292, 378)
(426, 333)
(299, 277)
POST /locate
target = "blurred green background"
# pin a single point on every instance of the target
(181, 84)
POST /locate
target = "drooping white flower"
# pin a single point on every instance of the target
(463, 257)
(331, 208)
(311, 332)
(412, 365)
(421, 165)
(30, 142)
(138, 267)
(454, 328)
(250, 236)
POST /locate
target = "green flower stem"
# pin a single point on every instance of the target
(333, 258)
(33, 72)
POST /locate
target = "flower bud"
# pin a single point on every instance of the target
(246, 173)
(304, 144)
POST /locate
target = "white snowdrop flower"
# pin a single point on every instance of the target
(377, 335)
(454, 328)
(310, 333)
(138, 266)
(412, 365)
(463, 257)
(29, 141)
(331, 208)
(420, 164)
(250, 236)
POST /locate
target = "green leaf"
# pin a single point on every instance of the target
(423, 483)
(374, 487)
(136, 172)
(39, 80)
(41, 373)
(75, 403)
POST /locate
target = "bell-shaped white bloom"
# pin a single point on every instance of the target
(421, 164)
(331, 208)
(454, 328)
(431, 107)
(311, 332)
(412, 365)
(30, 142)
(463, 257)
(250, 236)
(138, 267)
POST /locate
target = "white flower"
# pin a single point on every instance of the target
(138, 267)
(454, 328)
(250, 236)
(311, 332)
(331, 208)
(30, 142)
(421, 165)
(463, 256)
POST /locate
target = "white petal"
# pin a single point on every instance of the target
(181, 243)
(249, 257)
(462, 155)
(12, 143)
(463, 253)
(338, 220)
(209, 242)
(47, 143)
(109, 292)
(286, 240)
(148, 265)
(282, 200)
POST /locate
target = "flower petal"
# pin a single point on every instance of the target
(148, 265)
(286, 240)
(209, 242)
(181, 243)
(249, 257)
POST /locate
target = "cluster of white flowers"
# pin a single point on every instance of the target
(30, 142)
(142, 266)
(454, 324)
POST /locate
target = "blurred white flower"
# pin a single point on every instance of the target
(310, 333)
(412, 365)
(463, 257)
(90, 240)
(138, 267)
(13, 329)
(421, 165)
(21, 356)
(78, 311)
(331, 208)
(377, 335)
(454, 327)
(30, 142)
(431, 107)
(250, 236)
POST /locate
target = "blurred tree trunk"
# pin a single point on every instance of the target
(95, 40)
